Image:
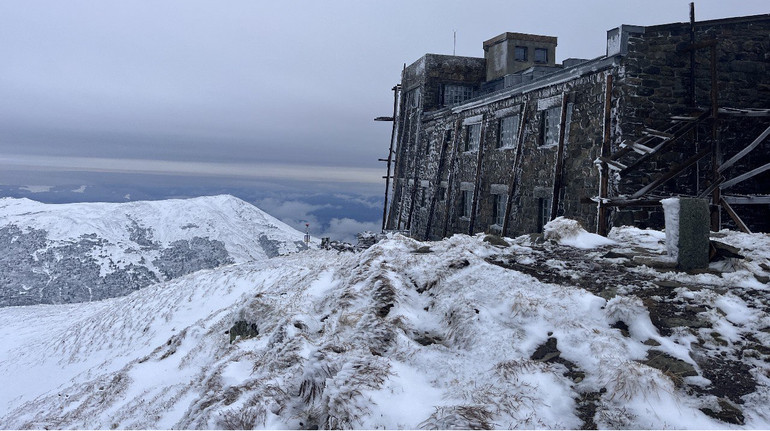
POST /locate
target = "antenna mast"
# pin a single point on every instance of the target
(454, 41)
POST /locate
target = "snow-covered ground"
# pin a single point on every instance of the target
(89, 251)
(406, 334)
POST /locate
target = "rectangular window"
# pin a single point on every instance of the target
(549, 126)
(508, 129)
(541, 55)
(472, 137)
(498, 211)
(520, 53)
(454, 94)
(466, 203)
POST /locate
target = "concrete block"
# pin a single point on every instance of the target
(687, 231)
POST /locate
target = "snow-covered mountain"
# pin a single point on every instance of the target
(68, 253)
(468, 332)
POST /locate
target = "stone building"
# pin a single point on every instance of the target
(504, 143)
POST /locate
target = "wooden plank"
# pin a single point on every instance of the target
(415, 186)
(747, 200)
(741, 225)
(611, 164)
(602, 222)
(557, 175)
(679, 130)
(683, 118)
(637, 147)
(716, 152)
(711, 187)
(671, 174)
(745, 112)
(744, 177)
(746, 150)
(625, 202)
(437, 183)
(477, 183)
(658, 133)
(448, 213)
(515, 168)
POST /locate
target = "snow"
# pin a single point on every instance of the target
(385, 338)
(569, 232)
(671, 215)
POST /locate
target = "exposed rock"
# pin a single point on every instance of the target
(669, 364)
(728, 412)
(547, 351)
(496, 240)
(244, 330)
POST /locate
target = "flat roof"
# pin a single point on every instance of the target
(519, 36)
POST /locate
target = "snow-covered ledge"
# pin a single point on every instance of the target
(687, 231)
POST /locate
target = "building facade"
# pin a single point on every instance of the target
(505, 143)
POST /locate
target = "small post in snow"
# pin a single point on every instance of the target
(687, 231)
(307, 234)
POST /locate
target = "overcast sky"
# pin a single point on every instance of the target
(269, 90)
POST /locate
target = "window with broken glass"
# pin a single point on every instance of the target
(472, 137)
(454, 94)
(549, 126)
(508, 128)
(498, 210)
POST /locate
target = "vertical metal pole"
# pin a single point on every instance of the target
(716, 197)
(602, 225)
(692, 54)
(396, 89)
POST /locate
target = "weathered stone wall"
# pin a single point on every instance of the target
(487, 171)
(655, 85)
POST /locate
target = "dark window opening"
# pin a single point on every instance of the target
(520, 53)
(541, 55)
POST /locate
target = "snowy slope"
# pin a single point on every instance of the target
(404, 335)
(82, 252)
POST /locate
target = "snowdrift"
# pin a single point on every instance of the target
(407, 334)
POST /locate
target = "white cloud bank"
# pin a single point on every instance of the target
(281, 171)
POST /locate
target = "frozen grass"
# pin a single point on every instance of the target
(386, 338)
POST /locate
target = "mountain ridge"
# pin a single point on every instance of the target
(62, 253)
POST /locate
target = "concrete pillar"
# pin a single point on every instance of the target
(687, 231)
